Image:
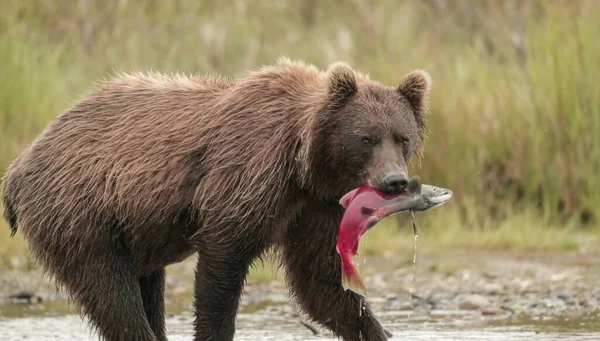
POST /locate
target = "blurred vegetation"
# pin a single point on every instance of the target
(515, 108)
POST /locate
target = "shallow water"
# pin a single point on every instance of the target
(555, 298)
(273, 321)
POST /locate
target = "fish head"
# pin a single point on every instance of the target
(433, 196)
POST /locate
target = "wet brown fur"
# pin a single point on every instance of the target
(148, 169)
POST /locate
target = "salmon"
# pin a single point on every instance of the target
(365, 207)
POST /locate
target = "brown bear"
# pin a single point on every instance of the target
(149, 169)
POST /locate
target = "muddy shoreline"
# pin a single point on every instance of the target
(466, 286)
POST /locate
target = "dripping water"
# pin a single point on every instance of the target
(412, 276)
(360, 308)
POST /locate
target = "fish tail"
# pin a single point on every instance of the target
(353, 282)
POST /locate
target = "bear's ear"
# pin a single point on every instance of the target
(415, 87)
(341, 83)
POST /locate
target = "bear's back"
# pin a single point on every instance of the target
(141, 147)
(125, 139)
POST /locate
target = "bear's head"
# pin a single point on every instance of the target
(365, 132)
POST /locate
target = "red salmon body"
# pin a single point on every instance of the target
(353, 225)
(365, 207)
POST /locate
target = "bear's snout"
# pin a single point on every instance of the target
(394, 182)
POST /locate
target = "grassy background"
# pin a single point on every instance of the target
(515, 108)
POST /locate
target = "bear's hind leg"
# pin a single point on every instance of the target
(103, 284)
(152, 289)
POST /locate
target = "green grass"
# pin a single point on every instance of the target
(441, 231)
(515, 111)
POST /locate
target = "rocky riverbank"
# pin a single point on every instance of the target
(488, 285)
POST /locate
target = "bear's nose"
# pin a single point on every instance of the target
(395, 182)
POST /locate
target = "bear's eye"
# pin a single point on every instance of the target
(402, 140)
(366, 141)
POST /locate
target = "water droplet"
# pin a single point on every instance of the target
(360, 308)
(412, 277)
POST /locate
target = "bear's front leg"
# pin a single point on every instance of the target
(221, 271)
(314, 276)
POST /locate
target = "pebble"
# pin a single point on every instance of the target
(391, 297)
(561, 276)
(473, 302)
(522, 284)
(25, 297)
(492, 311)
(493, 288)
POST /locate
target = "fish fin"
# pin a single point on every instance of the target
(354, 282)
(347, 198)
(368, 210)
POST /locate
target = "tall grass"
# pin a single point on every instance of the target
(514, 110)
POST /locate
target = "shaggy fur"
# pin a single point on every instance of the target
(148, 169)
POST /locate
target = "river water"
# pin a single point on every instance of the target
(549, 297)
(55, 320)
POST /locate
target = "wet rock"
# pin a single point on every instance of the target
(488, 275)
(492, 311)
(508, 309)
(392, 297)
(473, 302)
(551, 303)
(561, 276)
(563, 297)
(25, 297)
(522, 284)
(493, 288)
